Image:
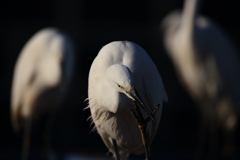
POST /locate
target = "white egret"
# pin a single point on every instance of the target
(123, 73)
(41, 77)
(208, 66)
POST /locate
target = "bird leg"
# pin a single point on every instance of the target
(229, 147)
(47, 135)
(117, 157)
(26, 139)
(213, 136)
(142, 125)
(201, 137)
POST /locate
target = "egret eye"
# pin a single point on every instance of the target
(119, 86)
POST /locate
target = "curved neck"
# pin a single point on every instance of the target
(190, 11)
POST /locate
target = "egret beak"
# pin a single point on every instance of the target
(133, 94)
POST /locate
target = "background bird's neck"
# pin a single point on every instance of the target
(190, 11)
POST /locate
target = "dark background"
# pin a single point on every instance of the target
(92, 24)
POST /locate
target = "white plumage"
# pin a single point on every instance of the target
(207, 64)
(119, 68)
(41, 76)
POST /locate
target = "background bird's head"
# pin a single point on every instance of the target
(171, 22)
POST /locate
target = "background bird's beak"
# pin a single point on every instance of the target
(135, 96)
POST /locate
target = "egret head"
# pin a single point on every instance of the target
(121, 79)
(171, 22)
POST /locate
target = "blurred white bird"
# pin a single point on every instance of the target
(123, 73)
(208, 66)
(41, 77)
